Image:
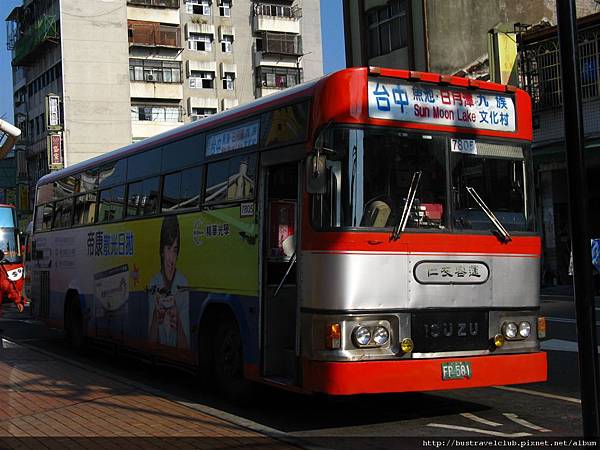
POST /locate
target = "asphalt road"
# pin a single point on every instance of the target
(535, 411)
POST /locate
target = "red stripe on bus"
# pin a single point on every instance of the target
(420, 243)
(371, 377)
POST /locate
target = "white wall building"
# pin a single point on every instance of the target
(125, 70)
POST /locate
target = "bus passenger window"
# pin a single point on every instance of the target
(39, 218)
(231, 180)
(48, 212)
(242, 173)
(111, 204)
(181, 190)
(63, 213)
(143, 198)
(112, 173)
(85, 209)
(144, 164)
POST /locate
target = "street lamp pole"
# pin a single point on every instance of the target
(579, 217)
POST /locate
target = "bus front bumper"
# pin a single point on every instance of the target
(371, 377)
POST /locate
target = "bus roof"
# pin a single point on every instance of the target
(326, 109)
(237, 113)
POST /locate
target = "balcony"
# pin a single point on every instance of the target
(281, 44)
(277, 77)
(25, 47)
(150, 34)
(540, 70)
(155, 3)
(149, 120)
(277, 18)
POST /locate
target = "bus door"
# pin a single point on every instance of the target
(279, 285)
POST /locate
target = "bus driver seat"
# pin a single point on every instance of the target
(376, 214)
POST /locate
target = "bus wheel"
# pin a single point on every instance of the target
(75, 330)
(229, 362)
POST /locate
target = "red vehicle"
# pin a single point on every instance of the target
(11, 271)
(370, 231)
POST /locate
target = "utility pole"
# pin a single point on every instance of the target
(579, 218)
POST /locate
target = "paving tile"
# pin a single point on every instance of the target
(49, 403)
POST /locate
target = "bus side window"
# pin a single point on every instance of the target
(85, 209)
(47, 213)
(143, 197)
(111, 204)
(181, 190)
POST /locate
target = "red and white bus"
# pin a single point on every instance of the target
(370, 231)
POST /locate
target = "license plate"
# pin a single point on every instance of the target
(456, 370)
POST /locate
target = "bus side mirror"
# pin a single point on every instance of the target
(316, 174)
(1, 255)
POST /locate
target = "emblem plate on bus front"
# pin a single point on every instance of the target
(451, 272)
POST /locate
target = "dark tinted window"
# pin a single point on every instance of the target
(85, 209)
(184, 153)
(181, 190)
(47, 212)
(143, 198)
(63, 213)
(230, 180)
(111, 204)
(284, 125)
(66, 186)
(144, 164)
(37, 225)
(112, 173)
(89, 180)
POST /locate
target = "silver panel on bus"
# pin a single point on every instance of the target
(370, 281)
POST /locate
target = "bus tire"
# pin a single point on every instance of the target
(75, 328)
(228, 362)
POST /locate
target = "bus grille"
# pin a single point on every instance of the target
(44, 293)
(449, 331)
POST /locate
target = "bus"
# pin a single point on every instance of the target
(11, 259)
(371, 231)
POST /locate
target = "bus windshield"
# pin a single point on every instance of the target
(370, 174)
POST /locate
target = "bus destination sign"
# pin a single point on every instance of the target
(233, 138)
(440, 105)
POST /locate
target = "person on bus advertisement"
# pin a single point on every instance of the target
(168, 292)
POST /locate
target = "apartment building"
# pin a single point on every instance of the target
(434, 35)
(89, 77)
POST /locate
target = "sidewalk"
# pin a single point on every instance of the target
(51, 403)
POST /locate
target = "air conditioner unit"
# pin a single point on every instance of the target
(149, 77)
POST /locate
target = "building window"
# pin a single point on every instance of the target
(278, 78)
(290, 12)
(200, 113)
(387, 28)
(227, 43)
(200, 79)
(155, 71)
(201, 7)
(228, 81)
(225, 8)
(156, 113)
(200, 42)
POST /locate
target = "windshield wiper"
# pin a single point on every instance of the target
(503, 234)
(410, 198)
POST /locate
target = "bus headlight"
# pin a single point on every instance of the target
(524, 329)
(510, 330)
(380, 335)
(361, 335)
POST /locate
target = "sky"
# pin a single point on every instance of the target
(332, 35)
